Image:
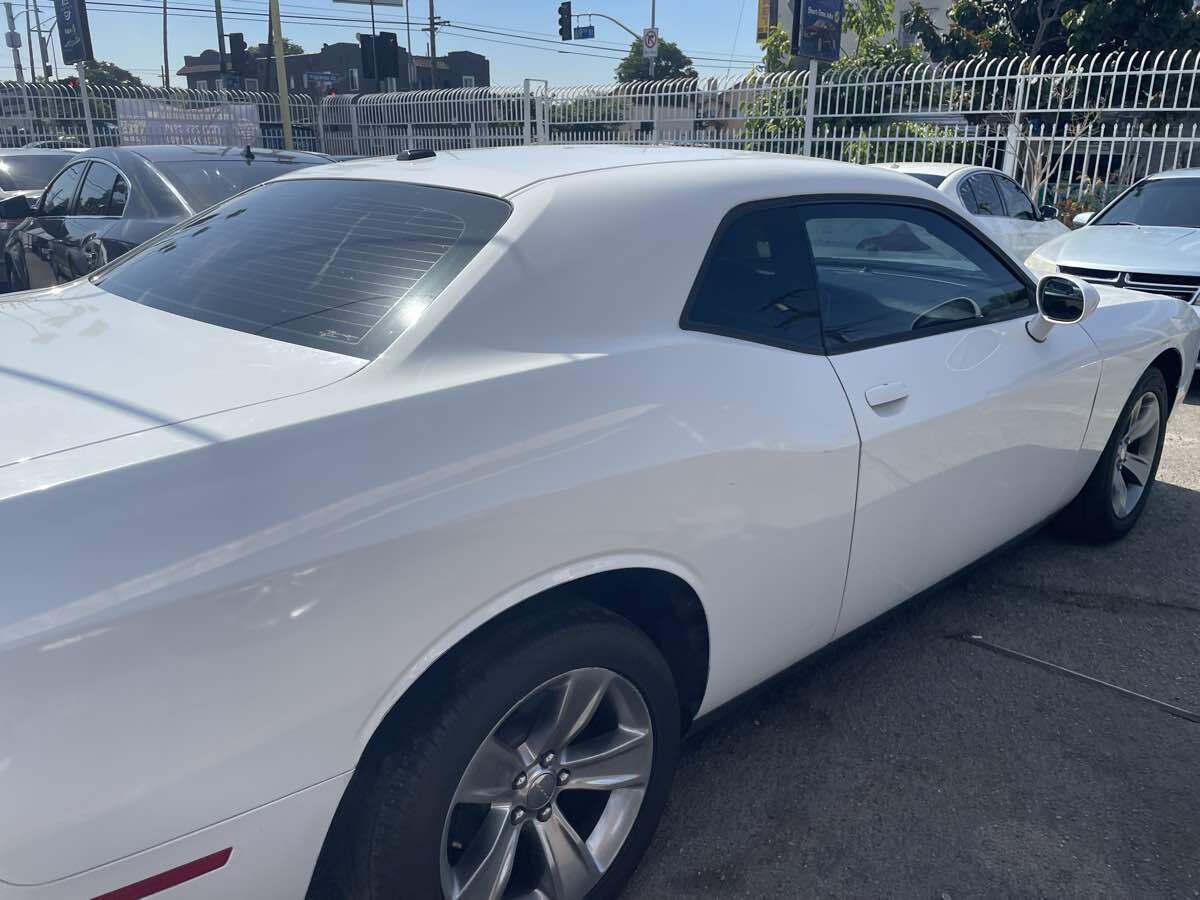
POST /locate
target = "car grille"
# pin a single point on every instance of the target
(1181, 287)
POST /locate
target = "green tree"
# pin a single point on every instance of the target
(290, 48)
(671, 63)
(107, 75)
(1011, 28)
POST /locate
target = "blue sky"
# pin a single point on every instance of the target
(129, 33)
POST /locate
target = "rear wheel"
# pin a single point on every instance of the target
(1116, 493)
(542, 774)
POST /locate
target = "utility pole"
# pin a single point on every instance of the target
(87, 109)
(432, 47)
(29, 43)
(412, 69)
(12, 29)
(285, 112)
(220, 41)
(37, 16)
(166, 65)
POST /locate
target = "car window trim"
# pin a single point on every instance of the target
(1013, 267)
(115, 168)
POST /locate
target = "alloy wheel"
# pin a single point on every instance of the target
(552, 794)
(1135, 455)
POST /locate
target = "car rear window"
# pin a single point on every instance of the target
(337, 264)
(32, 171)
(203, 182)
(933, 180)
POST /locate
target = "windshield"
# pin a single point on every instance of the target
(203, 182)
(1161, 201)
(337, 264)
(30, 172)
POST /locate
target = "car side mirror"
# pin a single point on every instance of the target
(1082, 219)
(1061, 300)
(16, 207)
(1049, 212)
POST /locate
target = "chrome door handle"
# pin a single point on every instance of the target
(888, 392)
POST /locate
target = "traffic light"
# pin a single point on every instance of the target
(237, 51)
(387, 53)
(366, 43)
(564, 21)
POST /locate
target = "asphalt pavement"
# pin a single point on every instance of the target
(907, 762)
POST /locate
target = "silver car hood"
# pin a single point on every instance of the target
(1158, 249)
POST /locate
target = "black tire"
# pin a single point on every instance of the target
(386, 840)
(1091, 516)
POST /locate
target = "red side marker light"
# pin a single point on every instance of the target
(168, 879)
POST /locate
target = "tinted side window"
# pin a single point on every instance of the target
(968, 196)
(889, 272)
(757, 283)
(120, 196)
(987, 198)
(1019, 206)
(62, 190)
(96, 193)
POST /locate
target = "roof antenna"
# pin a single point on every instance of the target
(248, 153)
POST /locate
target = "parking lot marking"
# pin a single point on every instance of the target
(1178, 711)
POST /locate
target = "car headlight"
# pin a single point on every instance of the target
(1039, 265)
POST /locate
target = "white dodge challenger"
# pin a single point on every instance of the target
(378, 532)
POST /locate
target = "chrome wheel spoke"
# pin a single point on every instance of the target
(1144, 419)
(578, 696)
(1120, 492)
(571, 869)
(489, 776)
(1138, 468)
(484, 870)
(620, 759)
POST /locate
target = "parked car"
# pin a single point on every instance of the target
(996, 203)
(1147, 239)
(27, 172)
(110, 199)
(383, 528)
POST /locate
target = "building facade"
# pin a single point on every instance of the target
(337, 68)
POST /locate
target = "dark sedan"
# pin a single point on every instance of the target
(110, 199)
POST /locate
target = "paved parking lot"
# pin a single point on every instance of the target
(907, 763)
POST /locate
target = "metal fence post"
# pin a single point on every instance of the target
(810, 107)
(527, 110)
(87, 110)
(1013, 137)
(354, 148)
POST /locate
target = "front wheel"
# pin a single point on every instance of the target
(1116, 493)
(541, 773)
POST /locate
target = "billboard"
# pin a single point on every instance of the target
(817, 30)
(73, 34)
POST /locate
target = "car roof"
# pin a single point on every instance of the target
(502, 171)
(156, 153)
(1175, 173)
(925, 168)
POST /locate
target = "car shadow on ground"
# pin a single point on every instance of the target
(904, 761)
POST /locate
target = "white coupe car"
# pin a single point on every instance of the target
(996, 203)
(388, 552)
(1147, 239)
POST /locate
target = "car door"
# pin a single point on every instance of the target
(42, 236)
(970, 430)
(98, 207)
(1026, 228)
(764, 368)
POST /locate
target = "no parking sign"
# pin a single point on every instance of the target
(650, 42)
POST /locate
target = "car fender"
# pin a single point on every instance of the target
(510, 598)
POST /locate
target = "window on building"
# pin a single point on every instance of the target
(291, 82)
(468, 81)
(352, 79)
(251, 84)
(202, 84)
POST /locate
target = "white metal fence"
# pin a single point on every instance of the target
(1072, 128)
